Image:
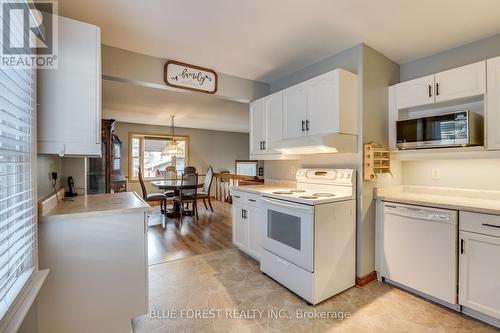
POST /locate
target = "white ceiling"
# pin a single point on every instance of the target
(267, 39)
(137, 104)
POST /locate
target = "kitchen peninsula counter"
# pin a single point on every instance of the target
(97, 205)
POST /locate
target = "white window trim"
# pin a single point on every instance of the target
(14, 317)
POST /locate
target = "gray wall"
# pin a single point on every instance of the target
(349, 59)
(379, 72)
(215, 148)
(459, 56)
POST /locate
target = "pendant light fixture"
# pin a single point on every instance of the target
(173, 148)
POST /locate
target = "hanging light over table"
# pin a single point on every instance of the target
(173, 148)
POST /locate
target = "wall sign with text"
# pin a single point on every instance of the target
(190, 77)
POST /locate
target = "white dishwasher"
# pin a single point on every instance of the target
(418, 251)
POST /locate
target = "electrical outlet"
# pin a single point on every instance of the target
(436, 174)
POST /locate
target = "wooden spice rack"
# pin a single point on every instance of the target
(377, 159)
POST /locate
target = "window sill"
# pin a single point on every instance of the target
(15, 317)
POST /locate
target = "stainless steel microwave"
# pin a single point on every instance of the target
(462, 128)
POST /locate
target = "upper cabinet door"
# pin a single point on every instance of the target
(415, 92)
(332, 103)
(323, 100)
(273, 108)
(257, 127)
(492, 109)
(294, 111)
(69, 97)
(465, 81)
(479, 271)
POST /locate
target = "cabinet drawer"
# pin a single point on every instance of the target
(252, 199)
(480, 223)
(239, 198)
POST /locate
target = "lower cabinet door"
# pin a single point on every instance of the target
(479, 283)
(240, 226)
(255, 224)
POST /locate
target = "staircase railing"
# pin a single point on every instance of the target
(223, 182)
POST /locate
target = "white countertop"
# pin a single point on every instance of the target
(479, 201)
(97, 204)
(261, 189)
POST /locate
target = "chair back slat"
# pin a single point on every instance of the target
(207, 184)
(189, 170)
(189, 185)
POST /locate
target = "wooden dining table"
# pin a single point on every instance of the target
(176, 186)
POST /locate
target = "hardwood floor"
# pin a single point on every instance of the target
(212, 232)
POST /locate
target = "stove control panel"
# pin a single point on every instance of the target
(326, 176)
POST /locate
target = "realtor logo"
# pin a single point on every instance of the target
(29, 34)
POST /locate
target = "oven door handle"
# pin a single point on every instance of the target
(287, 204)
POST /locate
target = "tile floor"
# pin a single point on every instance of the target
(229, 280)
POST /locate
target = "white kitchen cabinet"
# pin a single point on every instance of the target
(273, 109)
(492, 109)
(69, 97)
(295, 111)
(479, 285)
(457, 83)
(265, 123)
(322, 105)
(240, 227)
(247, 223)
(461, 82)
(256, 127)
(331, 102)
(96, 248)
(415, 92)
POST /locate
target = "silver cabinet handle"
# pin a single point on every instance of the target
(237, 196)
(437, 89)
(430, 90)
(307, 125)
(252, 200)
(303, 125)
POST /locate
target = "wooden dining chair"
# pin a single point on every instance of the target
(187, 193)
(207, 184)
(162, 198)
(189, 169)
(170, 173)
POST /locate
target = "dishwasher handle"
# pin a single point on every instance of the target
(419, 213)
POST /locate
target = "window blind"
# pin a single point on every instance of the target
(17, 205)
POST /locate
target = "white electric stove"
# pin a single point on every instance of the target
(319, 186)
(309, 236)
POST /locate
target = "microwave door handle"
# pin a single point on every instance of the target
(286, 204)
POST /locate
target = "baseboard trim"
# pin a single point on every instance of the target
(366, 279)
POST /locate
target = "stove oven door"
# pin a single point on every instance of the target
(289, 231)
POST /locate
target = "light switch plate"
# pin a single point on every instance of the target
(436, 174)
